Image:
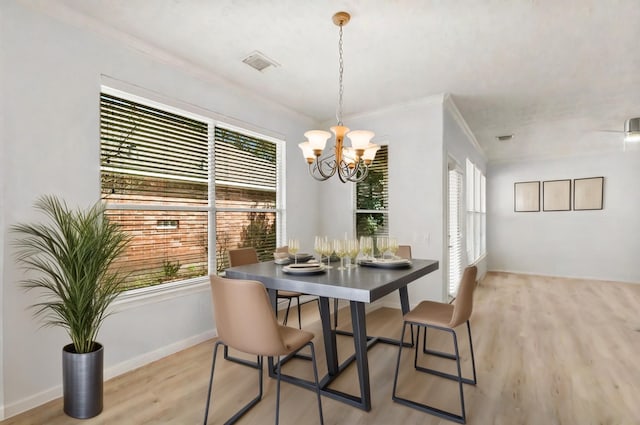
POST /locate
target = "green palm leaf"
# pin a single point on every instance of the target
(71, 256)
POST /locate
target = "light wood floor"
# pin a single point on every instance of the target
(548, 351)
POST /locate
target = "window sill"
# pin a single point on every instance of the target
(158, 293)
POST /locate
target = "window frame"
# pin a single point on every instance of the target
(384, 212)
(167, 290)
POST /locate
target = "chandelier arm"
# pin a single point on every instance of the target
(360, 178)
(313, 167)
(319, 165)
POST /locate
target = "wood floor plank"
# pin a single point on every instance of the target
(548, 351)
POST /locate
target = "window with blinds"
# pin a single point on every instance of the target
(455, 230)
(246, 179)
(476, 212)
(155, 181)
(372, 198)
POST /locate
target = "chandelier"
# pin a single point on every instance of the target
(350, 163)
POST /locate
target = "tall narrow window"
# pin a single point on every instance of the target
(157, 182)
(372, 198)
(476, 212)
(154, 169)
(246, 179)
(455, 229)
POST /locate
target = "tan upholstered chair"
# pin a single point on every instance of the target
(404, 251)
(242, 256)
(446, 317)
(245, 321)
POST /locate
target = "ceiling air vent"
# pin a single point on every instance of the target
(505, 138)
(259, 61)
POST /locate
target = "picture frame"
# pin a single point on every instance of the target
(556, 195)
(588, 193)
(526, 196)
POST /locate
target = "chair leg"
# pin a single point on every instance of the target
(213, 365)
(460, 381)
(473, 359)
(395, 377)
(441, 354)
(249, 405)
(278, 367)
(238, 359)
(299, 314)
(315, 376)
(424, 407)
(424, 342)
(335, 313)
(286, 314)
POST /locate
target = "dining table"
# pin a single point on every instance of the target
(359, 286)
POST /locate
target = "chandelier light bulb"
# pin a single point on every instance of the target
(370, 153)
(360, 139)
(307, 151)
(317, 139)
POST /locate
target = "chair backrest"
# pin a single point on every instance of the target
(463, 305)
(244, 318)
(404, 251)
(242, 256)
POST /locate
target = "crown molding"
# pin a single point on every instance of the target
(450, 106)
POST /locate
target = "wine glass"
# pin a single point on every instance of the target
(353, 250)
(327, 250)
(366, 246)
(393, 246)
(317, 246)
(339, 249)
(294, 246)
(382, 243)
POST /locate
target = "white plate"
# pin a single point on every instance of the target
(310, 269)
(387, 263)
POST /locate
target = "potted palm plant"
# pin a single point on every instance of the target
(72, 254)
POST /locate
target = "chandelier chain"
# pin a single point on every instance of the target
(341, 71)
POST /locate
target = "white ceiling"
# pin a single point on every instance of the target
(552, 72)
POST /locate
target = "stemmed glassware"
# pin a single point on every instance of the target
(382, 243)
(353, 248)
(393, 246)
(324, 248)
(318, 247)
(339, 247)
(366, 246)
(294, 247)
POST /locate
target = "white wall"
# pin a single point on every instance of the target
(602, 244)
(51, 76)
(414, 134)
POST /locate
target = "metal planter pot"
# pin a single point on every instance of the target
(82, 381)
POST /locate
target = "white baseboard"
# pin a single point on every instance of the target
(152, 356)
(602, 279)
(110, 372)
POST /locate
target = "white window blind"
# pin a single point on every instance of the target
(455, 230)
(156, 173)
(246, 177)
(154, 169)
(476, 212)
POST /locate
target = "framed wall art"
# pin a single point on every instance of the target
(588, 193)
(526, 196)
(556, 195)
